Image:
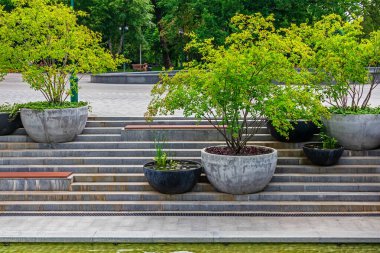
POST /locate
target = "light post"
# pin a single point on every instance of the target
(73, 80)
(181, 32)
(123, 30)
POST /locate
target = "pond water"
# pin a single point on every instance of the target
(187, 248)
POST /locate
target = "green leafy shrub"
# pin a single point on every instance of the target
(42, 40)
(233, 85)
(340, 60)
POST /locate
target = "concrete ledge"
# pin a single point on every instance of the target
(171, 133)
(35, 181)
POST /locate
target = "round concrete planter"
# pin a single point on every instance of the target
(239, 174)
(54, 125)
(173, 181)
(323, 157)
(8, 126)
(303, 131)
(355, 132)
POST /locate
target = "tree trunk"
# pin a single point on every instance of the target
(164, 44)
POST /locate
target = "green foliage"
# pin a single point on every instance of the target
(7, 108)
(294, 102)
(42, 40)
(45, 105)
(355, 111)
(161, 157)
(340, 59)
(232, 86)
(328, 142)
(108, 16)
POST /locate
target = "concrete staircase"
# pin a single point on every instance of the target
(108, 176)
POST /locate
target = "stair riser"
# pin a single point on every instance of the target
(132, 187)
(138, 169)
(74, 169)
(136, 145)
(188, 197)
(144, 122)
(276, 178)
(179, 207)
(143, 160)
(209, 188)
(120, 153)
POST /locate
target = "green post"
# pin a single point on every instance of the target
(73, 79)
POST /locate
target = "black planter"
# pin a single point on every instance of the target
(7, 126)
(303, 131)
(323, 157)
(173, 181)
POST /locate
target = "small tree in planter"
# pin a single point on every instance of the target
(340, 61)
(230, 88)
(43, 41)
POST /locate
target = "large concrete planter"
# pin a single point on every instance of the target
(355, 132)
(239, 174)
(54, 125)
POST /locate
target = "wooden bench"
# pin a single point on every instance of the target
(35, 181)
(171, 133)
(140, 67)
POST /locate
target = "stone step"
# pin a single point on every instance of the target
(189, 206)
(330, 178)
(81, 138)
(73, 168)
(120, 153)
(281, 169)
(106, 137)
(206, 187)
(374, 160)
(138, 145)
(190, 196)
(123, 123)
(87, 130)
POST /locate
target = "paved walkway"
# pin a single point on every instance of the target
(189, 229)
(105, 99)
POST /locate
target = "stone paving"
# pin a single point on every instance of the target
(105, 99)
(189, 229)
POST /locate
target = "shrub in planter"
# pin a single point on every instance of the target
(230, 87)
(9, 122)
(171, 176)
(340, 61)
(325, 153)
(300, 105)
(42, 40)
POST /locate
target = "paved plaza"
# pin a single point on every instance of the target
(189, 229)
(105, 99)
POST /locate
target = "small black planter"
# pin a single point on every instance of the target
(173, 181)
(303, 131)
(7, 126)
(323, 157)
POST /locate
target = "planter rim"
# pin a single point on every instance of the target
(174, 171)
(327, 149)
(241, 156)
(60, 109)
